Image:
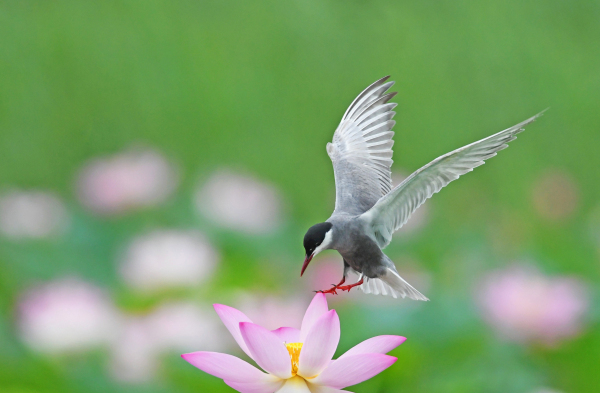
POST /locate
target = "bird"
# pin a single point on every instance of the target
(367, 209)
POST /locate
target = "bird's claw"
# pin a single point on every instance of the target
(330, 290)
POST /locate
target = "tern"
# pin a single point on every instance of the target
(367, 210)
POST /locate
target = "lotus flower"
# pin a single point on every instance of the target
(295, 360)
(240, 202)
(32, 214)
(130, 180)
(192, 260)
(523, 304)
(67, 315)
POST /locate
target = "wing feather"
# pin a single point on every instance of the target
(361, 150)
(394, 209)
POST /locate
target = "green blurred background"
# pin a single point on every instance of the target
(259, 87)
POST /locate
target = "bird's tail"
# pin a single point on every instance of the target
(391, 284)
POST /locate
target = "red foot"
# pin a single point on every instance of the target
(334, 289)
(331, 290)
(349, 287)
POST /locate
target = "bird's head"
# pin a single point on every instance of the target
(317, 238)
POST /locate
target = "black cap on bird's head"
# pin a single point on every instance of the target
(317, 239)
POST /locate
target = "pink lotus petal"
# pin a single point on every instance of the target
(320, 345)
(324, 389)
(378, 344)
(287, 334)
(294, 385)
(269, 384)
(317, 307)
(231, 319)
(267, 350)
(225, 366)
(353, 369)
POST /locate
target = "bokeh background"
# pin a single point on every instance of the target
(160, 156)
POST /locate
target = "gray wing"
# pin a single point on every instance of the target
(361, 150)
(394, 209)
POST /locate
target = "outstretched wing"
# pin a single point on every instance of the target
(393, 210)
(361, 150)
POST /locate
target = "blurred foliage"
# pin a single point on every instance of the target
(261, 86)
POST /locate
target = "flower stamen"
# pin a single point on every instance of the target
(294, 350)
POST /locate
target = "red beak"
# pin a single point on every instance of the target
(306, 262)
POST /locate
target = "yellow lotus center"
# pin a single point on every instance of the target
(294, 350)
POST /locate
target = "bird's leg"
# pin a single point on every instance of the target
(349, 287)
(334, 288)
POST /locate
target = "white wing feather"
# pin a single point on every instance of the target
(393, 210)
(361, 150)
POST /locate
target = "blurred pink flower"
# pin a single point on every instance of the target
(555, 195)
(295, 360)
(523, 305)
(170, 327)
(240, 202)
(129, 180)
(272, 312)
(134, 357)
(169, 258)
(31, 214)
(66, 315)
(178, 326)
